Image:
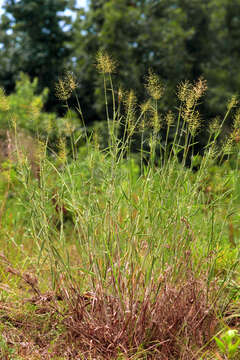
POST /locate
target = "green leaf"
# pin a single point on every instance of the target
(220, 344)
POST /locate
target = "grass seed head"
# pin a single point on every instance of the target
(236, 122)
(183, 90)
(130, 103)
(62, 150)
(235, 136)
(232, 103)
(194, 123)
(190, 101)
(120, 95)
(142, 124)
(187, 114)
(49, 126)
(212, 152)
(169, 118)
(105, 64)
(228, 146)
(153, 85)
(156, 122)
(65, 86)
(41, 150)
(146, 106)
(71, 80)
(96, 140)
(200, 88)
(62, 91)
(214, 126)
(69, 129)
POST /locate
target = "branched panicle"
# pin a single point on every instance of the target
(96, 140)
(190, 102)
(62, 150)
(142, 124)
(236, 122)
(105, 64)
(145, 107)
(49, 126)
(194, 123)
(61, 92)
(65, 86)
(235, 135)
(214, 126)
(41, 150)
(154, 86)
(228, 146)
(232, 103)
(69, 129)
(156, 122)
(183, 90)
(200, 88)
(120, 95)
(130, 103)
(190, 94)
(169, 119)
(193, 119)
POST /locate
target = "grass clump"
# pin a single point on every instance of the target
(123, 255)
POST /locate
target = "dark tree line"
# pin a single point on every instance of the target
(34, 41)
(178, 39)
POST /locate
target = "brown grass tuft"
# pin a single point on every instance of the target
(103, 326)
(172, 323)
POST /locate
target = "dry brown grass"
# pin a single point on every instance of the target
(161, 321)
(167, 327)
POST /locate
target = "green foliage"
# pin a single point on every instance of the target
(34, 41)
(229, 343)
(25, 109)
(8, 174)
(223, 68)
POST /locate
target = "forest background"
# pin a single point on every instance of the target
(179, 40)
